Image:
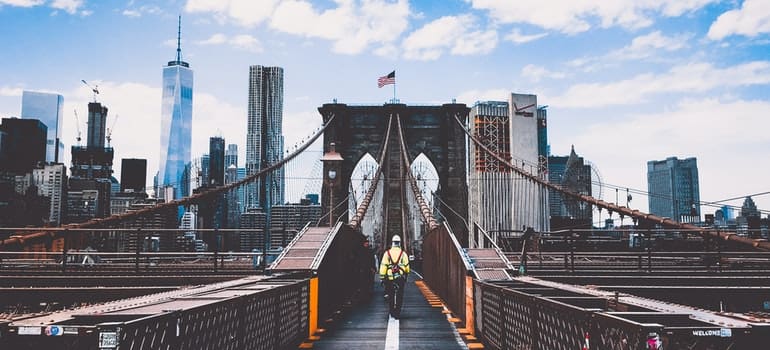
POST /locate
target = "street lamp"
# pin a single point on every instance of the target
(332, 161)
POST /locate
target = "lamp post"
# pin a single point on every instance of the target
(332, 160)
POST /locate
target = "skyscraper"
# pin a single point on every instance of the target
(133, 175)
(574, 174)
(47, 108)
(203, 170)
(543, 150)
(23, 146)
(231, 155)
(216, 161)
(176, 123)
(94, 161)
(264, 138)
(673, 188)
(529, 201)
(97, 122)
(90, 185)
(233, 205)
(51, 182)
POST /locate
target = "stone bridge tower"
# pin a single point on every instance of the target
(431, 130)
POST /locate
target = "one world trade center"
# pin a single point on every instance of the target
(176, 127)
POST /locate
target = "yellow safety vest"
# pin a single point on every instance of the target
(387, 266)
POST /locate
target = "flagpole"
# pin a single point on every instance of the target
(394, 90)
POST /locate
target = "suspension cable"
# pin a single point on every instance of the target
(427, 216)
(318, 223)
(714, 204)
(624, 211)
(355, 222)
(193, 199)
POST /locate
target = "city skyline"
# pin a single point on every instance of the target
(667, 79)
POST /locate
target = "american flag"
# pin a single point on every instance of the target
(386, 79)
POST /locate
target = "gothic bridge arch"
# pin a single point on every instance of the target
(360, 129)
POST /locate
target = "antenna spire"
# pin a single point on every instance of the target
(179, 41)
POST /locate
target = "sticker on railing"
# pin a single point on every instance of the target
(722, 332)
(108, 340)
(53, 331)
(25, 330)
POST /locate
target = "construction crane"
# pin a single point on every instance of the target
(77, 126)
(110, 129)
(94, 88)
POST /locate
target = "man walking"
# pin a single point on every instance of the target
(394, 268)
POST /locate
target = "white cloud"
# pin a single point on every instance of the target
(457, 34)
(571, 17)
(518, 37)
(752, 19)
(10, 91)
(70, 6)
(725, 137)
(142, 10)
(242, 42)
(644, 47)
(137, 129)
(352, 26)
(536, 73)
(648, 45)
(695, 77)
(22, 3)
(132, 13)
(472, 96)
(215, 39)
(246, 42)
(244, 12)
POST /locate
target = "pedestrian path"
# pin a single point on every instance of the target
(366, 325)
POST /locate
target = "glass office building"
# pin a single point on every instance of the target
(674, 189)
(176, 126)
(48, 108)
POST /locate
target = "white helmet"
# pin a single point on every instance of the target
(396, 240)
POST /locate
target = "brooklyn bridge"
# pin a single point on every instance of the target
(686, 286)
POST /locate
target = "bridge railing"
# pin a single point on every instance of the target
(269, 314)
(529, 314)
(446, 269)
(508, 319)
(274, 318)
(141, 249)
(512, 319)
(341, 270)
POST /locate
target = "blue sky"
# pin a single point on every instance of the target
(626, 81)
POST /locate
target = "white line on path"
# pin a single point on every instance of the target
(391, 339)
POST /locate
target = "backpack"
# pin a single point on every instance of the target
(395, 269)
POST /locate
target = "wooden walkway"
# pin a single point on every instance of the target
(366, 325)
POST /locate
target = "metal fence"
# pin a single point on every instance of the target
(342, 270)
(521, 316)
(445, 268)
(270, 314)
(140, 250)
